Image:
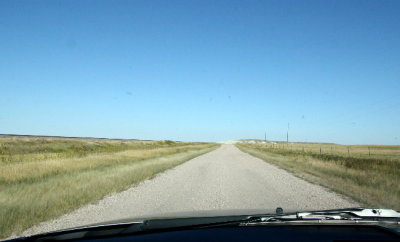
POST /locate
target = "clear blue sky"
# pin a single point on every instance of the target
(202, 70)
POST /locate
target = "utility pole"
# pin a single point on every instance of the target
(287, 134)
(265, 137)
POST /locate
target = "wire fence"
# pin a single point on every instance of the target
(390, 152)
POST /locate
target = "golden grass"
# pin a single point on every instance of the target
(43, 188)
(23, 149)
(387, 152)
(31, 171)
(370, 181)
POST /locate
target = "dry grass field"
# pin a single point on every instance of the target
(367, 174)
(386, 152)
(41, 178)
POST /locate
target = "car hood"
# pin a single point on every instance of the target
(194, 214)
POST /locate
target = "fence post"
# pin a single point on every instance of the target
(320, 151)
(369, 152)
(348, 151)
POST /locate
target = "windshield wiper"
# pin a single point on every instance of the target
(338, 215)
(354, 213)
(351, 214)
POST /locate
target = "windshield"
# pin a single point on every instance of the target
(113, 110)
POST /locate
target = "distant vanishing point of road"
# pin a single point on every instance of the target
(226, 178)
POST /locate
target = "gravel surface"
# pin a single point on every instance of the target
(226, 178)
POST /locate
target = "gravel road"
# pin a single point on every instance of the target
(226, 178)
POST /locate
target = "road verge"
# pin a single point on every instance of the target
(376, 187)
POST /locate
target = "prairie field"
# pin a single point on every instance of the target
(42, 178)
(369, 174)
(385, 152)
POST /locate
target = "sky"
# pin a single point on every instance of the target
(202, 70)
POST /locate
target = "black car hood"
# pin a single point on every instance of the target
(193, 214)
